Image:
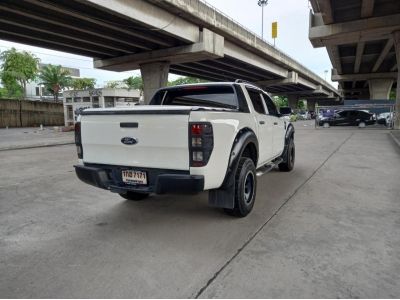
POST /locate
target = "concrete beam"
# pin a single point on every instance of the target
(73, 27)
(97, 42)
(384, 53)
(367, 8)
(58, 10)
(376, 28)
(26, 35)
(237, 52)
(210, 46)
(221, 70)
(152, 16)
(379, 89)
(309, 93)
(325, 8)
(359, 53)
(292, 78)
(366, 76)
(333, 52)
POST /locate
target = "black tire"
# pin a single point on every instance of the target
(134, 196)
(245, 188)
(288, 157)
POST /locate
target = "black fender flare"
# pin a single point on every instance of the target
(242, 139)
(289, 132)
(288, 135)
(225, 195)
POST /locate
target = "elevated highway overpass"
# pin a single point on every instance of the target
(184, 37)
(362, 38)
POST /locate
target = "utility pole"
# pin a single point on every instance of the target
(262, 3)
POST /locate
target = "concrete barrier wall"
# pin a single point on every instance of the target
(24, 113)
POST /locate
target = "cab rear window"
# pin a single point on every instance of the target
(210, 96)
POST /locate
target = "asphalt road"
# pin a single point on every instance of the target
(327, 229)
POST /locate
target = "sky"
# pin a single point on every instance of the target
(292, 17)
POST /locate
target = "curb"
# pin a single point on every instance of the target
(35, 146)
(395, 139)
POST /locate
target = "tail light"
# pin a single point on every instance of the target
(201, 143)
(78, 139)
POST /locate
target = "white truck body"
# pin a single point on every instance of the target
(161, 136)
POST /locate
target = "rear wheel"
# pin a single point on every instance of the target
(134, 196)
(245, 188)
(288, 157)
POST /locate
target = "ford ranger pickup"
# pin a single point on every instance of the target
(215, 137)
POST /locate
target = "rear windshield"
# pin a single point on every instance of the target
(211, 96)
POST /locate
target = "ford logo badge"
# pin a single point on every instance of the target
(129, 141)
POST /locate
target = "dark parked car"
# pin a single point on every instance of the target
(348, 118)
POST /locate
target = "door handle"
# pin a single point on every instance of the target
(275, 123)
(262, 122)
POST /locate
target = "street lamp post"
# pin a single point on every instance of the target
(262, 3)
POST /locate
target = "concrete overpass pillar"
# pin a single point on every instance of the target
(292, 101)
(396, 38)
(379, 89)
(311, 105)
(154, 76)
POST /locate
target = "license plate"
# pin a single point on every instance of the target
(134, 177)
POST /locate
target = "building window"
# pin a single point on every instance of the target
(86, 99)
(68, 100)
(95, 101)
(70, 114)
(37, 91)
(77, 99)
(109, 102)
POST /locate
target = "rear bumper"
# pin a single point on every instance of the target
(159, 181)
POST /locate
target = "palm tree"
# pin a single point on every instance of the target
(55, 79)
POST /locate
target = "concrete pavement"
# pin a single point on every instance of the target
(314, 231)
(19, 138)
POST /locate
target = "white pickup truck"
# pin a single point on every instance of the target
(211, 136)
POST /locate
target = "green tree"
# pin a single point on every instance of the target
(55, 79)
(11, 90)
(185, 80)
(18, 68)
(280, 101)
(300, 104)
(83, 83)
(134, 82)
(112, 84)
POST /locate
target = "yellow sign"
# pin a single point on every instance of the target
(274, 30)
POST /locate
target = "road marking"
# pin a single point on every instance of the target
(211, 280)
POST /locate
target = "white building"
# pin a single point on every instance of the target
(35, 91)
(75, 101)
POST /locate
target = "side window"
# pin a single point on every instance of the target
(270, 105)
(256, 100)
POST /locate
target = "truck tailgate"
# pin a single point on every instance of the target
(160, 137)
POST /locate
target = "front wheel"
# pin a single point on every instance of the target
(134, 196)
(288, 157)
(245, 188)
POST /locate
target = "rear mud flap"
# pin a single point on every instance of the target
(223, 197)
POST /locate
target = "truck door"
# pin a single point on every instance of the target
(264, 125)
(278, 128)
